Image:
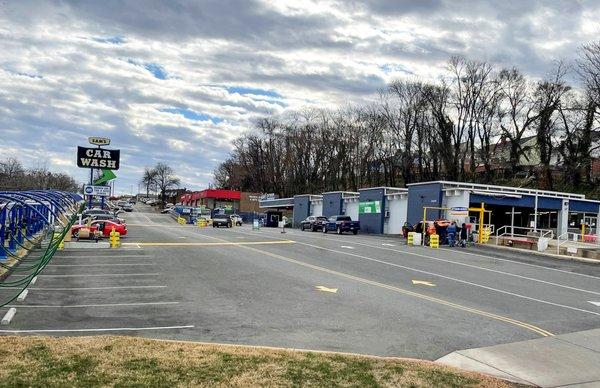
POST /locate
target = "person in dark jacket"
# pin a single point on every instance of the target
(463, 235)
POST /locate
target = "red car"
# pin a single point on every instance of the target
(104, 226)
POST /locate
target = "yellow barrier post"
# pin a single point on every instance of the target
(201, 222)
(114, 238)
(410, 238)
(434, 241)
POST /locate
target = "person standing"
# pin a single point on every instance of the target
(463, 235)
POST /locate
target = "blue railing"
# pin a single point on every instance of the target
(32, 226)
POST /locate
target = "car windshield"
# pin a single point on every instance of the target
(344, 218)
(322, 218)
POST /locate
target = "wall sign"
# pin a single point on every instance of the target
(98, 158)
(458, 212)
(100, 191)
(369, 207)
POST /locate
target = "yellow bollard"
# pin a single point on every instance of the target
(434, 241)
(114, 238)
(201, 222)
(410, 238)
(486, 235)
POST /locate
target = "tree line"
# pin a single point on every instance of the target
(13, 176)
(469, 126)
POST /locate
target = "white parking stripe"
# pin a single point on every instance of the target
(448, 278)
(100, 257)
(97, 330)
(98, 265)
(94, 305)
(92, 275)
(83, 288)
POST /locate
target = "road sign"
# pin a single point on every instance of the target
(98, 158)
(99, 141)
(107, 175)
(101, 191)
(369, 207)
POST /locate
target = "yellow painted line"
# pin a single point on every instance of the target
(326, 289)
(524, 325)
(204, 244)
(423, 282)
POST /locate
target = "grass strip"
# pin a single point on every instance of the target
(136, 362)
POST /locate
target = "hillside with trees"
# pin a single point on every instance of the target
(13, 176)
(480, 123)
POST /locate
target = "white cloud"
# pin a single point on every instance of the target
(71, 70)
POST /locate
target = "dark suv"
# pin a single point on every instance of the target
(313, 223)
(219, 220)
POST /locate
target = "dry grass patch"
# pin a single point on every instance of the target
(136, 362)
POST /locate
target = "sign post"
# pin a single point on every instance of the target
(98, 158)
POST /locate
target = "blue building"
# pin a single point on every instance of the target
(383, 210)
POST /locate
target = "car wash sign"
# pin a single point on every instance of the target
(98, 158)
(369, 207)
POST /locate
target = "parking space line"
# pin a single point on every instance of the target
(84, 288)
(97, 330)
(443, 302)
(91, 275)
(103, 256)
(373, 240)
(479, 268)
(407, 252)
(100, 265)
(46, 306)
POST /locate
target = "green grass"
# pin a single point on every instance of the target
(134, 362)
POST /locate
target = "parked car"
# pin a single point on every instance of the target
(236, 219)
(104, 217)
(219, 220)
(313, 223)
(125, 206)
(103, 226)
(341, 224)
(94, 211)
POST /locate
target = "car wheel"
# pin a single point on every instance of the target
(339, 230)
(355, 232)
(302, 227)
(314, 228)
(324, 229)
(214, 226)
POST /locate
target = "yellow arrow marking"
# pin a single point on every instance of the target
(423, 282)
(325, 289)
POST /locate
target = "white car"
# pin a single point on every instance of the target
(236, 219)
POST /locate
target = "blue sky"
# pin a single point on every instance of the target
(177, 81)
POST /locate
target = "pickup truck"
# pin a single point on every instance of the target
(341, 224)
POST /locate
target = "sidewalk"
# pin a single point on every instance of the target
(564, 360)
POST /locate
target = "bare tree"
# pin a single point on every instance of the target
(517, 115)
(165, 180)
(548, 96)
(149, 180)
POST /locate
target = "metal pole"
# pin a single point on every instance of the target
(512, 222)
(481, 215)
(535, 214)
(2, 231)
(91, 183)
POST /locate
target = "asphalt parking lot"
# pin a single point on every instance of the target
(365, 294)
